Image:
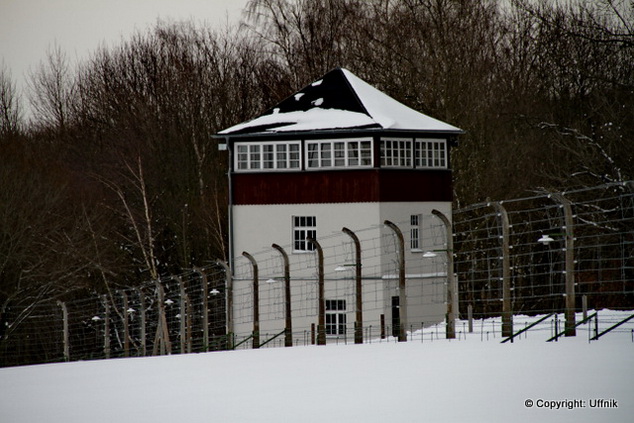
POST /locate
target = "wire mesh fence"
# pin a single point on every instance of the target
(197, 311)
(603, 265)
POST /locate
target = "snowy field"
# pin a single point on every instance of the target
(467, 380)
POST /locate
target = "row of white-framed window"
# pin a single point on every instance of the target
(305, 227)
(268, 156)
(428, 153)
(340, 153)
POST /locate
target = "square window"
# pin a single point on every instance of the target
(335, 317)
(431, 153)
(304, 227)
(396, 153)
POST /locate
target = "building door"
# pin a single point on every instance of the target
(396, 316)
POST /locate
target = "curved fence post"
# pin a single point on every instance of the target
(452, 285)
(358, 324)
(228, 301)
(321, 302)
(288, 337)
(205, 306)
(507, 309)
(402, 301)
(570, 264)
(256, 301)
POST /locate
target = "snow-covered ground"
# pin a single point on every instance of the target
(467, 380)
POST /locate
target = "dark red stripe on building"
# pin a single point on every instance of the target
(341, 186)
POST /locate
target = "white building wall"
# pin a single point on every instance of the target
(256, 227)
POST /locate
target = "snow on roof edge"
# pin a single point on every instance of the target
(382, 108)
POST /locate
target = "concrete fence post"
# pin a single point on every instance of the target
(106, 327)
(162, 344)
(204, 286)
(65, 333)
(358, 324)
(452, 285)
(188, 321)
(182, 332)
(142, 322)
(402, 322)
(126, 325)
(570, 329)
(321, 302)
(507, 310)
(288, 327)
(228, 302)
(256, 301)
(470, 317)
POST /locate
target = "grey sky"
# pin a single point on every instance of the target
(29, 27)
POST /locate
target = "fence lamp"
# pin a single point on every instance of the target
(344, 267)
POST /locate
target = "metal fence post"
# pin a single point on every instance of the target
(358, 324)
(106, 328)
(142, 322)
(570, 264)
(228, 302)
(65, 330)
(205, 307)
(256, 301)
(452, 286)
(183, 314)
(288, 338)
(321, 302)
(126, 325)
(162, 344)
(470, 317)
(402, 303)
(507, 310)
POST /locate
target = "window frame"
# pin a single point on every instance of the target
(400, 155)
(302, 228)
(438, 153)
(268, 156)
(414, 153)
(415, 231)
(336, 318)
(339, 153)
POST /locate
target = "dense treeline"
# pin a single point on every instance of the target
(115, 178)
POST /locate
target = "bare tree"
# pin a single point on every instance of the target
(10, 107)
(52, 89)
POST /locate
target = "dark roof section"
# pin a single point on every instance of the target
(332, 91)
(338, 102)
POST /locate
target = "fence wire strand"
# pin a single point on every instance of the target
(188, 312)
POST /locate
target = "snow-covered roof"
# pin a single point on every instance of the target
(339, 100)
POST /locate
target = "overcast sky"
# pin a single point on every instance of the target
(29, 27)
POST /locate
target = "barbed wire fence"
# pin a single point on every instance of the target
(191, 312)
